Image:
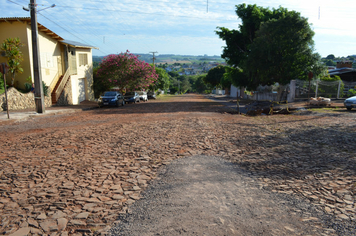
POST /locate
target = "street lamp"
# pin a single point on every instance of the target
(39, 99)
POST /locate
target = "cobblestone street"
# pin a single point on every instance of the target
(74, 174)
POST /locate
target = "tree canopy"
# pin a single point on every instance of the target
(11, 47)
(163, 80)
(330, 56)
(270, 46)
(125, 71)
(215, 75)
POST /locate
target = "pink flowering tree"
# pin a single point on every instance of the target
(126, 72)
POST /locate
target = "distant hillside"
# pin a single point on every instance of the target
(170, 58)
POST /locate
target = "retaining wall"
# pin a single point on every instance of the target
(19, 101)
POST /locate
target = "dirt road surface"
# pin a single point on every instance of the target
(181, 165)
(204, 195)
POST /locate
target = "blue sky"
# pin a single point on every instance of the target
(180, 27)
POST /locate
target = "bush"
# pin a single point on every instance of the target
(28, 87)
(330, 90)
(351, 92)
(2, 89)
(45, 89)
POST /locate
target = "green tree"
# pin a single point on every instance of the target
(238, 41)
(282, 51)
(99, 85)
(199, 84)
(11, 47)
(329, 62)
(214, 76)
(185, 85)
(255, 61)
(331, 57)
(173, 74)
(163, 81)
(2, 87)
(330, 89)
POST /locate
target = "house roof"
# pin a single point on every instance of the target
(27, 20)
(76, 44)
(339, 71)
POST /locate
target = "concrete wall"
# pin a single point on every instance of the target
(18, 100)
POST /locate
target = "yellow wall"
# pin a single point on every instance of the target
(50, 58)
(49, 50)
(13, 30)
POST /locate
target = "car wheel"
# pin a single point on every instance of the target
(349, 108)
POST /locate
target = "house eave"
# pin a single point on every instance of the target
(27, 20)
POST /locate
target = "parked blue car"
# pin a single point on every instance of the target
(132, 97)
(111, 98)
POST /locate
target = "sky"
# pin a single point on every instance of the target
(177, 26)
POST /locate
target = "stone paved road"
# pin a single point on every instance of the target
(76, 173)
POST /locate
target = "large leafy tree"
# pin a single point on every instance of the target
(215, 75)
(199, 84)
(247, 52)
(282, 51)
(163, 80)
(238, 41)
(11, 47)
(126, 72)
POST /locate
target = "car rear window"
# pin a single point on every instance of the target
(109, 93)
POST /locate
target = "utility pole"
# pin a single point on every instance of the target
(153, 58)
(39, 99)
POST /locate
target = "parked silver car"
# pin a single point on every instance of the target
(350, 103)
(131, 97)
(143, 95)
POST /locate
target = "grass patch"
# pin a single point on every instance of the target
(323, 110)
(164, 97)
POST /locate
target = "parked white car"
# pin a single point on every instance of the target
(143, 95)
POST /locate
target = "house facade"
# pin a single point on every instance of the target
(66, 66)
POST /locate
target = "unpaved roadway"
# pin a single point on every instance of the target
(180, 165)
(204, 195)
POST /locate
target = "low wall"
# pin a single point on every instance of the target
(19, 101)
(265, 96)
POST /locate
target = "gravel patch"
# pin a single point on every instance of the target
(204, 195)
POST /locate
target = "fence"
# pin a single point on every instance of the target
(302, 90)
(318, 88)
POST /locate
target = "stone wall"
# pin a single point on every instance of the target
(66, 96)
(19, 101)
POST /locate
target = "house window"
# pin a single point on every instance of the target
(83, 59)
